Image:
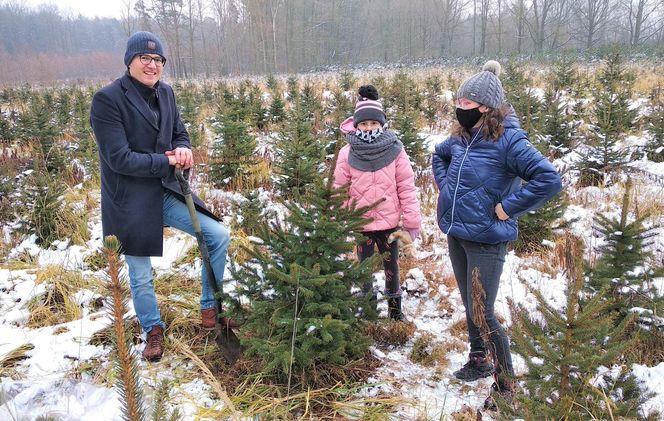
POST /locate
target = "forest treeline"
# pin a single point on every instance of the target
(229, 37)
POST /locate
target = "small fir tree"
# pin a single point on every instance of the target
(402, 95)
(189, 103)
(432, 104)
(293, 89)
(39, 124)
(347, 80)
(537, 226)
(625, 267)
(232, 153)
(413, 143)
(343, 105)
(257, 112)
(310, 103)
(559, 122)
(611, 118)
(299, 154)
(63, 107)
(613, 88)
(564, 352)
(126, 367)
(654, 149)
(7, 130)
(520, 95)
(302, 314)
(277, 107)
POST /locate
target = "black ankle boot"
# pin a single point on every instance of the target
(394, 309)
(477, 367)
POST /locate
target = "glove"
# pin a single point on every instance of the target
(413, 232)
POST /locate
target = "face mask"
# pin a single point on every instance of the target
(468, 118)
(369, 136)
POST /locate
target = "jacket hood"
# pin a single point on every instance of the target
(511, 120)
(347, 126)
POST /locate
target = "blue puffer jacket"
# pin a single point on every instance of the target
(475, 175)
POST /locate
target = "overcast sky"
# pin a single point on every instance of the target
(90, 8)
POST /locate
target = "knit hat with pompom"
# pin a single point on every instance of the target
(484, 87)
(368, 107)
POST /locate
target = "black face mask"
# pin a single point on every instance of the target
(468, 118)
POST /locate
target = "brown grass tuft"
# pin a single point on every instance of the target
(649, 350)
(390, 332)
(10, 360)
(466, 413)
(56, 305)
(429, 353)
(460, 330)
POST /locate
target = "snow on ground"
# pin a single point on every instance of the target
(51, 384)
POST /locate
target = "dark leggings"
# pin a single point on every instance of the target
(365, 249)
(489, 259)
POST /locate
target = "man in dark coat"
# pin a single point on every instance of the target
(141, 139)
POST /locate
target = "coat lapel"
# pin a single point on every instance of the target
(137, 101)
(163, 108)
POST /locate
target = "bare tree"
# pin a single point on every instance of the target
(127, 18)
(593, 16)
(448, 16)
(517, 9)
(484, 17)
(537, 21)
(561, 14)
(642, 19)
(274, 11)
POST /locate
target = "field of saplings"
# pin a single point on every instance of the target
(581, 294)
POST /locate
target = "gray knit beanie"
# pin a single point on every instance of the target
(484, 87)
(142, 42)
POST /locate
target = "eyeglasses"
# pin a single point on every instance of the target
(146, 60)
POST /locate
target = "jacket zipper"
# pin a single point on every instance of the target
(456, 188)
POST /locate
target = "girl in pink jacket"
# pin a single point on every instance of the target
(377, 167)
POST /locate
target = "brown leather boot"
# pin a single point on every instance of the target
(154, 348)
(209, 317)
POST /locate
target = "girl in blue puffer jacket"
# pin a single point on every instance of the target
(479, 171)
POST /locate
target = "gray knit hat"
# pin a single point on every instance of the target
(484, 87)
(142, 42)
(367, 107)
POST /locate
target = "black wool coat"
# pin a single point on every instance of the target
(134, 168)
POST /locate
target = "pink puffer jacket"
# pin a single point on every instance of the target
(395, 183)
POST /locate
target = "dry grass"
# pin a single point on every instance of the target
(445, 306)
(334, 396)
(57, 304)
(10, 360)
(252, 175)
(244, 387)
(239, 246)
(429, 353)
(649, 350)
(459, 329)
(95, 261)
(649, 76)
(390, 332)
(104, 336)
(466, 413)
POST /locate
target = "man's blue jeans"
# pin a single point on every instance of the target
(176, 215)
